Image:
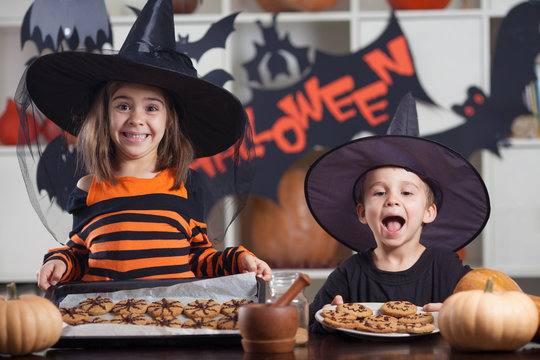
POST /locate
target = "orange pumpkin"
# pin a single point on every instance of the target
(9, 125)
(483, 320)
(418, 4)
(28, 323)
(476, 280)
(276, 6)
(286, 234)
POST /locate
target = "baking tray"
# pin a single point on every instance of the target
(59, 292)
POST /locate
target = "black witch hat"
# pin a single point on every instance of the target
(334, 181)
(63, 85)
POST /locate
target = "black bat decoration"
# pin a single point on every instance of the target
(215, 36)
(51, 23)
(489, 118)
(58, 155)
(273, 46)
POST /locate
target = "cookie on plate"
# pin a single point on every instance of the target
(130, 306)
(71, 315)
(383, 318)
(232, 306)
(165, 308)
(345, 322)
(228, 322)
(97, 305)
(377, 326)
(416, 328)
(355, 309)
(426, 318)
(133, 319)
(165, 322)
(329, 313)
(398, 308)
(202, 309)
(200, 323)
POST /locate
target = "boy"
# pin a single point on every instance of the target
(408, 204)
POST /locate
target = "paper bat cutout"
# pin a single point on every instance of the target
(489, 118)
(215, 36)
(51, 23)
(274, 45)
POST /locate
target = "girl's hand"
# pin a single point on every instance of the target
(432, 307)
(50, 273)
(261, 269)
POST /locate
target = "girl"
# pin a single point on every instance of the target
(139, 213)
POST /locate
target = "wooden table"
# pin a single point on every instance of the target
(328, 347)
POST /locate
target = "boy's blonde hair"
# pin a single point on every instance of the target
(97, 152)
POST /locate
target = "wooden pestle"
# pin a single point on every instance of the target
(298, 285)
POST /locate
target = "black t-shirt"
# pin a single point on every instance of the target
(431, 279)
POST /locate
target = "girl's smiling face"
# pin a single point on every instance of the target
(395, 205)
(137, 121)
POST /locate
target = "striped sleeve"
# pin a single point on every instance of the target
(205, 261)
(74, 256)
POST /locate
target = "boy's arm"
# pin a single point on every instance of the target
(336, 284)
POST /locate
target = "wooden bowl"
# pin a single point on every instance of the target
(274, 328)
(269, 346)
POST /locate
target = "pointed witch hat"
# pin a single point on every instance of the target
(333, 183)
(63, 85)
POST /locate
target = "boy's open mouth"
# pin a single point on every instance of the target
(393, 223)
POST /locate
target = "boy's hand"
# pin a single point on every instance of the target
(50, 273)
(338, 299)
(261, 269)
(432, 307)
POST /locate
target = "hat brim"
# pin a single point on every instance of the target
(63, 86)
(330, 184)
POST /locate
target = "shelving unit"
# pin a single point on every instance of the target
(451, 49)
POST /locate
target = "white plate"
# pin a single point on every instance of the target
(375, 306)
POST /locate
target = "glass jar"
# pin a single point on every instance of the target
(281, 281)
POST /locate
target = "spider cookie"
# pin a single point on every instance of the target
(228, 322)
(165, 308)
(71, 315)
(416, 328)
(232, 306)
(200, 323)
(92, 320)
(97, 305)
(426, 318)
(398, 308)
(130, 306)
(355, 309)
(377, 326)
(202, 309)
(165, 322)
(133, 319)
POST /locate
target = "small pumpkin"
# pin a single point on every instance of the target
(483, 320)
(28, 323)
(476, 278)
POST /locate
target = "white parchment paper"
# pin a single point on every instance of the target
(221, 289)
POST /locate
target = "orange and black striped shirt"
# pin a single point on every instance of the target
(140, 229)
